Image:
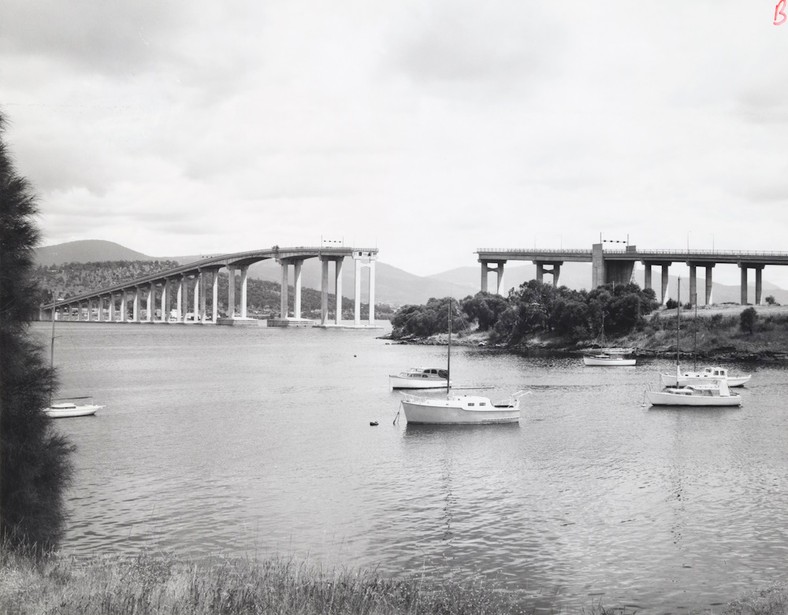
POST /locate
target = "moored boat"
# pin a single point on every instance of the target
(709, 393)
(62, 410)
(685, 378)
(420, 378)
(607, 359)
(460, 410)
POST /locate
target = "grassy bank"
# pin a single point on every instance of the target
(149, 584)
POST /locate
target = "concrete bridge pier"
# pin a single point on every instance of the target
(164, 302)
(203, 296)
(150, 305)
(743, 285)
(498, 268)
(555, 270)
(359, 260)
(664, 283)
(284, 292)
(297, 264)
(693, 284)
(709, 284)
(112, 307)
(215, 296)
(324, 290)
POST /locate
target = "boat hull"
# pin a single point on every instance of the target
(459, 411)
(400, 382)
(64, 411)
(609, 361)
(663, 398)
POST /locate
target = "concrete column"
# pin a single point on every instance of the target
(231, 292)
(215, 296)
(244, 285)
(297, 287)
(357, 293)
(665, 278)
(485, 271)
(324, 292)
(196, 310)
(151, 305)
(500, 284)
(372, 291)
(100, 311)
(203, 296)
(136, 317)
(758, 284)
(556, 274)
(165, 301)
(743, 268)
(112, 307)
(693, 284)
(539, 272)
(709, 284)
(597, 265)
(646, 276)
(185, 297)
(338, 287)
(179, 300)
(283, 300)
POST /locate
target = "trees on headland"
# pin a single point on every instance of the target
(535, 309)
(34, 461)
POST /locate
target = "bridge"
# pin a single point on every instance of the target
(616, 265)
(200, 277)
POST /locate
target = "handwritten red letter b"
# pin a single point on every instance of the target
(779, 13)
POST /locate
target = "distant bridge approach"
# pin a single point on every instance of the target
(616, 265)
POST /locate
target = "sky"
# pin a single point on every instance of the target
(426, 129)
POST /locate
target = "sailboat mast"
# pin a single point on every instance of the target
(52, 357)
(678, 319)
(448, 353)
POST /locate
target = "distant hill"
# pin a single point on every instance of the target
(393, 285)
(88, 251)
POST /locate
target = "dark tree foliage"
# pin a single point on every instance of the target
(34, 462)
(429, 319)
(747, 320)
(484, 308)
(536, 309)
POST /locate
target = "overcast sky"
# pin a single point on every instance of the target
(426, 128)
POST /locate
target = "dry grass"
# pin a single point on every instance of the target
(157, 584)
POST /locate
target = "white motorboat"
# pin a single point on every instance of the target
(711, 392)
(609, 359)
(420, 378)
(460, 410)
(687, 378)
(62, 410)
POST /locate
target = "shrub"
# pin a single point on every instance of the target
(747, 319)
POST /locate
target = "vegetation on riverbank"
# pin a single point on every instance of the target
(539, 317)
(148, 585)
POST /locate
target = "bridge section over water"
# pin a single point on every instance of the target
(162, 287)
(616, 266)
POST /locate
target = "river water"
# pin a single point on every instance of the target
(257, 442)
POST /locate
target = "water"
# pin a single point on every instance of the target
(231, 441)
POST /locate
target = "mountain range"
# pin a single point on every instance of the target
(393, 286)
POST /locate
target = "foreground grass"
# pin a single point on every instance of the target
(149, 584)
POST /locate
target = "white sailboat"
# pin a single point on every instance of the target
(712, 391)
(66, 407)
(459, 409)
(609, 357)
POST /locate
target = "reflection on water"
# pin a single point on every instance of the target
(258, 442)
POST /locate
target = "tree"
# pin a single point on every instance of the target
(747, 320)
(34, 461)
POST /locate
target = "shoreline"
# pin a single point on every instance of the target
(719, 339)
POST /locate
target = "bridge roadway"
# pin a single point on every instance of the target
(616, 265)
(205, 271)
